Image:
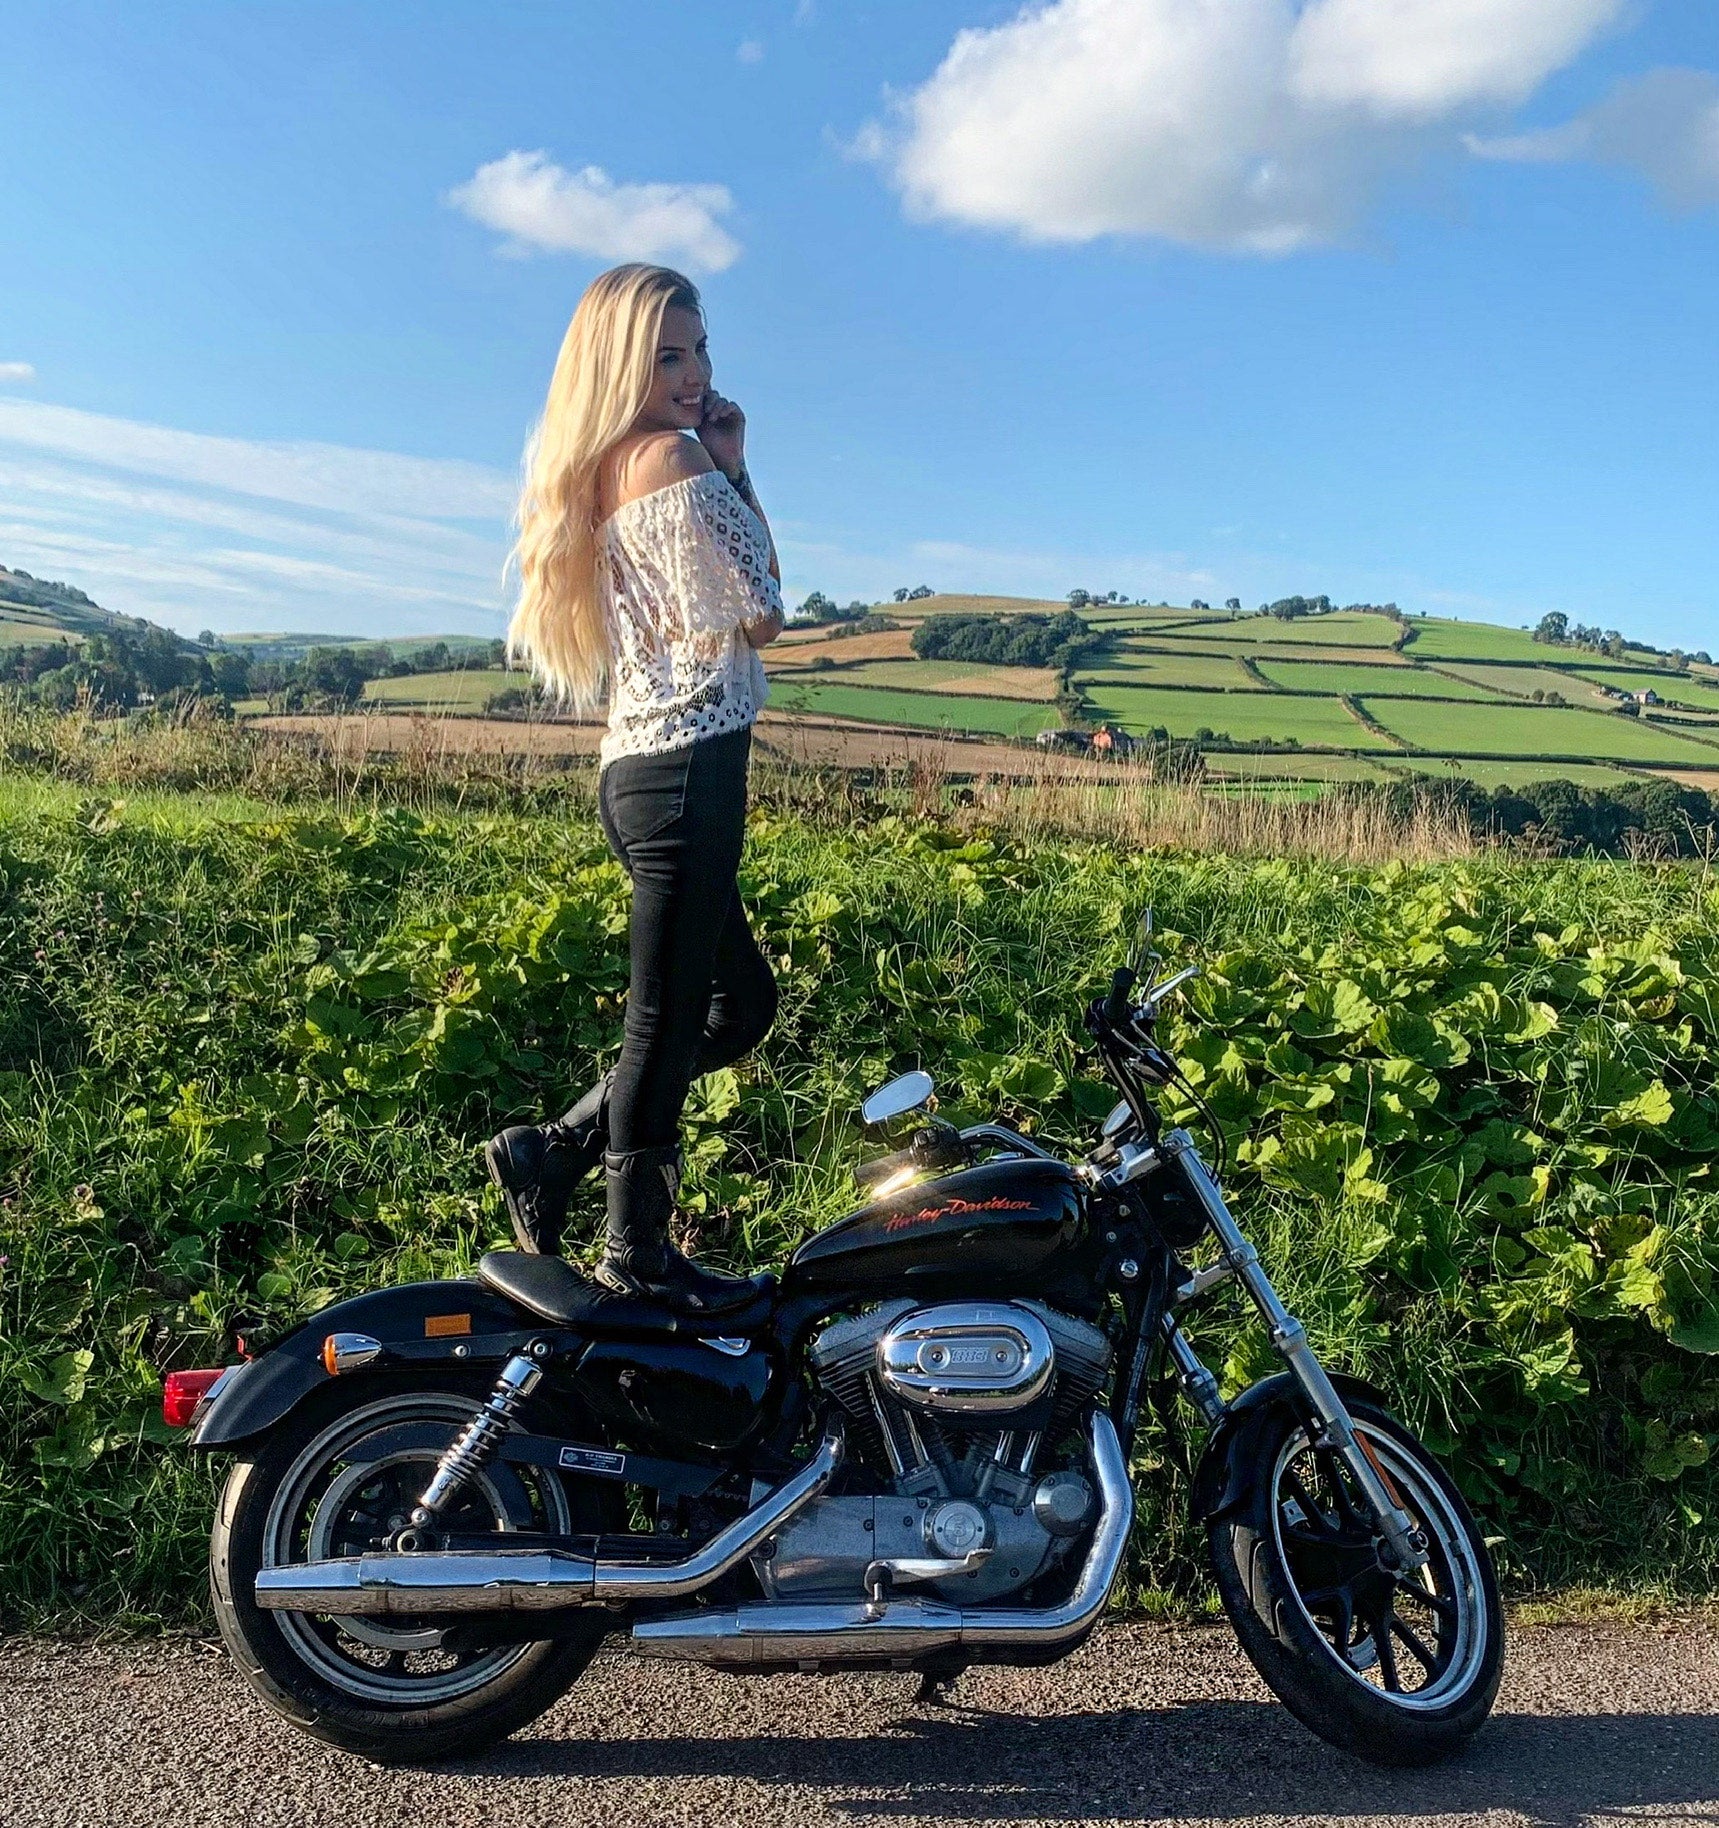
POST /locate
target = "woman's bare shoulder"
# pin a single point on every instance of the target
(657, 460)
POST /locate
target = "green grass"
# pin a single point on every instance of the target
(1529, 730)
(1522, 682)
(1335, 630)
(249, 1064)
(466, 689)
(1436, 639)
(1516, 774)
(1402, 681)
(1313, 768)
(21, 626)
(1132, 666)
(1245, 716)
(915, 710)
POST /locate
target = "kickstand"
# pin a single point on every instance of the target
(934, 1689)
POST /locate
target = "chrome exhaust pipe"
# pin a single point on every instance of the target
(902, 1631)
(531, 1580)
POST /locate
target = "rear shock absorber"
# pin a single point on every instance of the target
(481, 1439)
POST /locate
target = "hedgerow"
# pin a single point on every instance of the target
(247, 1062)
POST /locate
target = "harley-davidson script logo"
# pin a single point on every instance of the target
(927, 1215)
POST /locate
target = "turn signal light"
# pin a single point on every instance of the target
(183, 1391)
(349, 1352)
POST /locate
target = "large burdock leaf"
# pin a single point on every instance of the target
(1399, 1030)
(64, 1380)
(1649, 1109)
(1700, 1332)
(1327, 1010)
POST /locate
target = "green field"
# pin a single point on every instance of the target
(22, 626)
(1436, 639)
(1335, 630)
(1136, 666)
(1524, 681)
(1407, 681)
(1245, 716)
(1515, 774)
(1695, 692)
(915, 710)
(464, 690)
(1528, 730)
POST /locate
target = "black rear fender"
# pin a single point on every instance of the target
(421, 1323)
(1231, 1461)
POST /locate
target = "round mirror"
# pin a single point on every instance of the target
(1119, 1119)
(907, 1093)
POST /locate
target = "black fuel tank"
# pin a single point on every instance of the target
(993, 1228)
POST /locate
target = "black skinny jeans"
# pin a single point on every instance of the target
(701, 992)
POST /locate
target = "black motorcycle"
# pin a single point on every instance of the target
(911, 1453)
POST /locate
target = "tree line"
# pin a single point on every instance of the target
(1059, 641)
(122, 668)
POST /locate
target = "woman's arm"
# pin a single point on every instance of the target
(760, 634)
(723, 435)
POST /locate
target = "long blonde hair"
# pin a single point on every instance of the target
(602, 379)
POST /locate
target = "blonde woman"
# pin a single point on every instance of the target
(646, 565)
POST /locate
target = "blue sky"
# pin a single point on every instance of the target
(1390, 299)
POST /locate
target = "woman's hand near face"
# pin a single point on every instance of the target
(722, 432)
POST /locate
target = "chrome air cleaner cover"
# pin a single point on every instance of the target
(967, 1358)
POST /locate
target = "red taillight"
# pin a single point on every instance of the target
(183, 1391)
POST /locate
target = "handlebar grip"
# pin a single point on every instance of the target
(1116, 1004)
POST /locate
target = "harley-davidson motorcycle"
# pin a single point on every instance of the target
(910, 1453)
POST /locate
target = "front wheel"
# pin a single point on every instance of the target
(1398, 1668)
(340, 1478)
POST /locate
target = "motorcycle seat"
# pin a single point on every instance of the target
(554, 1290)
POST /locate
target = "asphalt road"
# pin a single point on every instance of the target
(1147, 1724)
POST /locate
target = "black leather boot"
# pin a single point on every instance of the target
(640, 1260)
(537, 1166)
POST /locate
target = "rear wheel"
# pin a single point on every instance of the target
(340, 1478)
(1398, 1668)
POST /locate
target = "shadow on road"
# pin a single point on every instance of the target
(1219, 1760)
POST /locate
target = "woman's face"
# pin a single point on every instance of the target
(676, 400)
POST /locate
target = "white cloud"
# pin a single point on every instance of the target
(749, 50)
(229, 533)
(1251, 125)
(17, 371)
(1663, 125)
(539, 205)
(1423, 58)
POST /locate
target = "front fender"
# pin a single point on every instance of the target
(1230, 1462)
(419, 1322)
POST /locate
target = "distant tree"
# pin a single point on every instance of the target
(1554, 628)
(903, 594)
(1232, 602)
(333, 672)
(816, 608)
(1197, 604)
(206, 638)
(920, 591)
(1078, 599)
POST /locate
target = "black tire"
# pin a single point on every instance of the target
(1318, 1615)
(315, 1672)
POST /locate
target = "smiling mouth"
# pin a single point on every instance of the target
(692, 403)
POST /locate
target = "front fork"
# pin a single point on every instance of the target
(1289, 1341)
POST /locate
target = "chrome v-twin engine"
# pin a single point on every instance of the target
(949, 1407)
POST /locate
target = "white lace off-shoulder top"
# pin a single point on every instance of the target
(682, 572)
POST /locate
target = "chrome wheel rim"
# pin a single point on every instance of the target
(1417, 1641)
(335, 1501)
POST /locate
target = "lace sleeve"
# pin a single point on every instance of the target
(717, 561)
